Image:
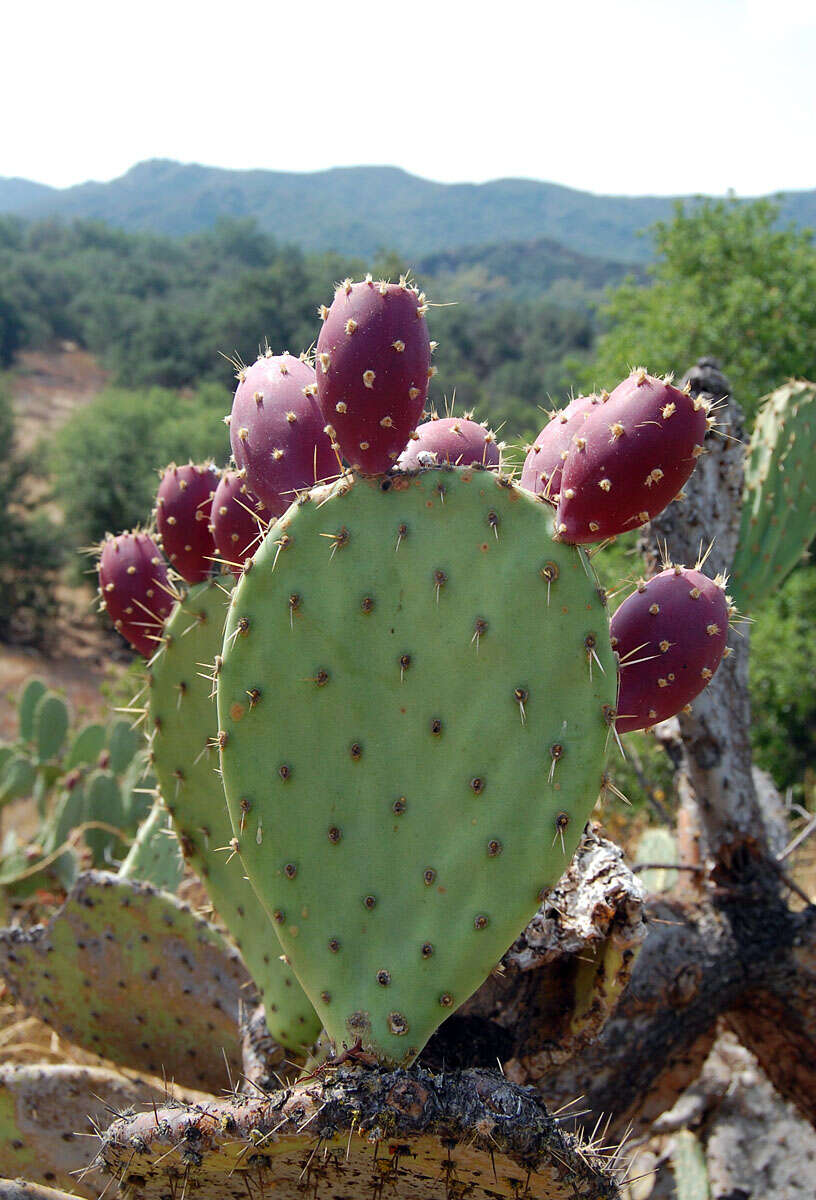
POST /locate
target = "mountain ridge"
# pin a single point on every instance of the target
(362, 210)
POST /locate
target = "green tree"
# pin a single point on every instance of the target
(30, 548)
(783, 680)
(727, 282)
(106, 456)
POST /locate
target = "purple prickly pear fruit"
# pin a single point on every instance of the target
(183, 504)
(237, 520)
(630, 459)
(541, 473)
(669, 636)
(455, 440)
(135, 589)
(373, 365)
(276, 430)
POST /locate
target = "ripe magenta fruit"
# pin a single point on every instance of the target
(373, 364)
(237, 520)
(183, 505)
(541, 473)
(455, 440)
(670, 637)
(135, 589)
(276, 431)
(631, 458)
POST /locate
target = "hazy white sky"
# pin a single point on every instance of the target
(626, 96)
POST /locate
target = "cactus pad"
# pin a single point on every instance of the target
(51, 721)
(134, 976)
(432, 683)
(185, 756)
(29, 698)
(86, 746)
(47, 1117)
(779, 498)
(155, 856)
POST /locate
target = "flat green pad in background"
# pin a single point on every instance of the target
(779, 498)
(184, 723)
(46, 1129)
(133, 975)
(428, 724)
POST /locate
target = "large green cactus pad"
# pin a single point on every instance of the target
(184, 724)
(413, 707)
(133, 975)
(779, 497)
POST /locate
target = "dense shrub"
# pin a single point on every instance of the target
(783, 680)
(727, 282)
(30, 546)
(106, 457)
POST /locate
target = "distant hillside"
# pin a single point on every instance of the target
(528, 269)
(360, 210)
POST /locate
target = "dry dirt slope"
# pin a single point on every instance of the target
(46, 388)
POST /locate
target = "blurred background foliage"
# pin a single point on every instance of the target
(165, 315)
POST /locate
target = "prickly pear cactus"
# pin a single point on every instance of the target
(373, 365)
(155, 856)
(779, 497)
(184, 725)
(459, 441)
(183, 505)
(657, 852)
(30, 697)
(48, 1116)
(50, 726)
(629, 458)
(669, 637)
(86, 746)
(414, 706)
(131, 974)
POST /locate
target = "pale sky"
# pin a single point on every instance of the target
(619, 96)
